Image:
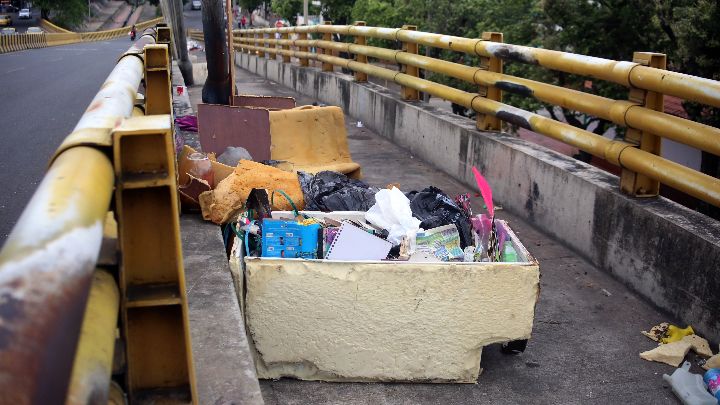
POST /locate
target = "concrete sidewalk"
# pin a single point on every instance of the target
(586, 336)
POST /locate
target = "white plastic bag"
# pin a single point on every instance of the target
(392, 212)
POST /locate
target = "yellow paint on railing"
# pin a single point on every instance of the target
(621, 112)
(61, 36)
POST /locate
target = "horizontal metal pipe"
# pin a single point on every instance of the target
(626, 73)
(113, 102)
(620, 112)
(92, 369)
(48, 259)
(687, 180)
(45, 271)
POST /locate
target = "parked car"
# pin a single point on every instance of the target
(195, 5)
(34, 30)
(7, 31)
(5, 20)
(24, 14)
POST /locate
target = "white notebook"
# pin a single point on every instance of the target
(353, 243)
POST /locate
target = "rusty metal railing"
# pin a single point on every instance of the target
(49, 258)
(642, 113)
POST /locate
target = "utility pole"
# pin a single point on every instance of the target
(217, 85)
(305, 12)
(181, 43)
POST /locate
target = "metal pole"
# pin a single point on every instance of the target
(230, 47)
(305, 12)
(217, 85)
(183, 60)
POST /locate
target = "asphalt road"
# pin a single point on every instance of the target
(43, 93)
(22, 25)
(193, 18)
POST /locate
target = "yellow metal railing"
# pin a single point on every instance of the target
(59, 36)
(641, 113)
(61, 301)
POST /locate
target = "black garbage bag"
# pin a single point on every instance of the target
(434, 208)
(332, 191)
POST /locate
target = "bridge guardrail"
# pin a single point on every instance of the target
(642, 113)
(61, 36)
(59, 300)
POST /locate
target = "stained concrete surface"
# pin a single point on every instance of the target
(586, 336)
(223, 365)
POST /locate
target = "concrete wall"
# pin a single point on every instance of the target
(669, 254)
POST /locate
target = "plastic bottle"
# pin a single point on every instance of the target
(689, 387)
(508, 253)
(712, 380)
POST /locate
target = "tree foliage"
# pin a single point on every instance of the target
(337, 11)
(66, 13)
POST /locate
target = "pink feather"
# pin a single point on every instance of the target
(485, 191)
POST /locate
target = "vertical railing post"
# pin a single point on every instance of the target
(285, 36)
(327, 67)
(260, 53)
(304, 62)
(633, 183)
(408, 93)
(487, 122)
(265, 44)
(360, 40)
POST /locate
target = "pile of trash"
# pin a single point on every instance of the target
(268, 205)
(299, 199)
(376, 224)
(674, 344)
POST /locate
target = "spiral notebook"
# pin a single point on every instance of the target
(353, 243)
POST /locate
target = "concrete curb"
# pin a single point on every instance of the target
(666, 252)
(224, 367)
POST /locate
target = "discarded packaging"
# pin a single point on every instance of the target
(289, 239)
(675, 333)
(689, 387)
(657, 332)
(434, 208)
(190, 193)
(712, 362)
(220, 171)
(332, 191)
(712, 380)
(199, 166)
(392, 212)
(229, 196)
(443, 243)
(233, 155)
(674, 353)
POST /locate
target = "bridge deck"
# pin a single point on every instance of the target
(586, 336)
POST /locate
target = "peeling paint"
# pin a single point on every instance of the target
(514, 88)
(511, 52)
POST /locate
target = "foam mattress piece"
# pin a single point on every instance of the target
(313, 139)
(380, 321)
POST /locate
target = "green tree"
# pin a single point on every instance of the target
(250, 5)
(691, 27)
(65, 13)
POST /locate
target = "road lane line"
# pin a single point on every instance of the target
(15, 70)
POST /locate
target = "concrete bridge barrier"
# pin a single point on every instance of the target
(664, 251)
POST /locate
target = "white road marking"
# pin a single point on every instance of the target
(15, 70)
